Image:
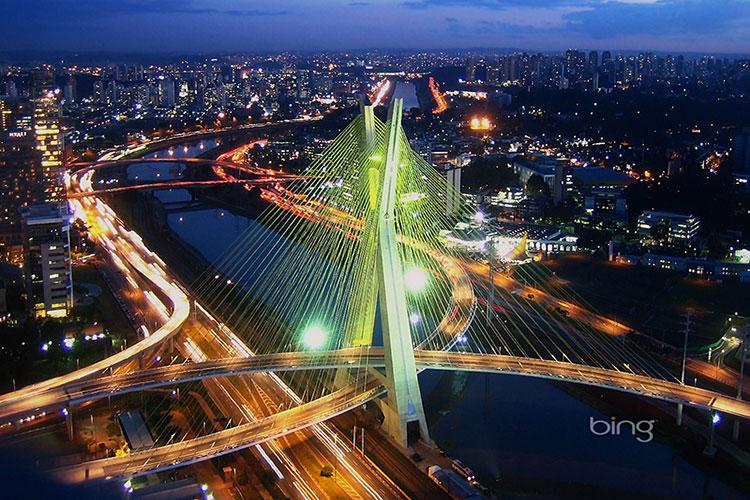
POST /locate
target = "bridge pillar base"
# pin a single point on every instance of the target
(403, 431)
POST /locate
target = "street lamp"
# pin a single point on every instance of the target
(688, 324)
(314, 337)
(415, 279)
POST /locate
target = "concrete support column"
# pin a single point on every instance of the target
(404, 414)
(710, 449)
(69, 422)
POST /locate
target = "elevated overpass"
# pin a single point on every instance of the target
(299, 417)
(112, 385)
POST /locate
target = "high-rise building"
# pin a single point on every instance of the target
(303, 84)
(575, 64)
(493, 75)
(593, 60)
(20, 164)
(167, 96)
(70, 91)
(453, 193)
(48, 134)
(128, 73)
(16, 114)
(10, 89)
(5, 116)
(471, 69)
(47, 264)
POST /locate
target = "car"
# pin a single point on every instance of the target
(326, 471)
(416, 457)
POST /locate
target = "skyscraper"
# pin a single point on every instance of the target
(593, 60)
(5, 116)
(47, 264)
(70, 91)
(493, 75)
(20, 163)
(48, 134)
(167, 97)
(471, 69)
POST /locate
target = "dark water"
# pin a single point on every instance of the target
(513, 426)
(509, 426)
(188, 150)
(408, 92)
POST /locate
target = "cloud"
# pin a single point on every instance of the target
(359, 4)
(657, 19)
(663, 17)
(79, 9)
(491, 4)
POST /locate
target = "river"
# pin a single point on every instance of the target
(528, 433)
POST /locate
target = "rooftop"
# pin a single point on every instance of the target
(600, 175)
(44, 214)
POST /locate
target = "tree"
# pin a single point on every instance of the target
(488, 173)
(536, 186)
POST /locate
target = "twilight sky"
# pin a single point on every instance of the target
(210, 26)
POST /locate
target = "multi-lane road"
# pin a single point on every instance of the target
(374, 358)
(298, 460)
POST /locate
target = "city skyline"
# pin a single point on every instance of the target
(198, 26)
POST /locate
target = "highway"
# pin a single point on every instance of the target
(223, 442)
(181, 184)
(374, 358)
(127, 252)
(299, 456)
(298, 459)
(319, 410)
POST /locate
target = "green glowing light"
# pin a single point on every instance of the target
(314, 337)
(415, 279)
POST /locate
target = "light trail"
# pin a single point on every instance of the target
(183, 184)
(380, 92)
(440, 103)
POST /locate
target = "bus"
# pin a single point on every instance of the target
(463, 471)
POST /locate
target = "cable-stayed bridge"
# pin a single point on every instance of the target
(346, 289)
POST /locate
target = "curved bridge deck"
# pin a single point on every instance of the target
(93, 389)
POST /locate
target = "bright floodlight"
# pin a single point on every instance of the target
(314, 337)
(415, 279)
